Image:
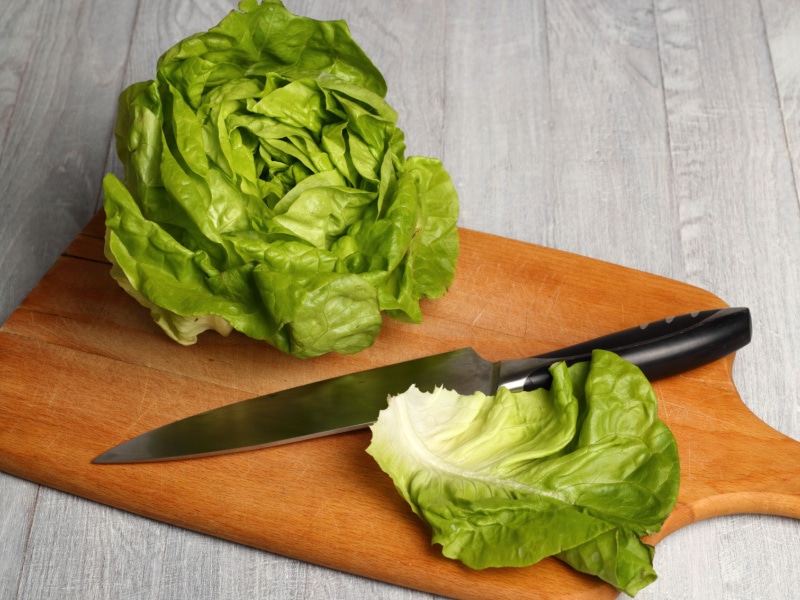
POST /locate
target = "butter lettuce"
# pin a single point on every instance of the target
(581, 471)
(266, 190)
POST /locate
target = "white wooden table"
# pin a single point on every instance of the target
(663, 135)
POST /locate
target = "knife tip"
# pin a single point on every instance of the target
(112, 457)
(103, 459)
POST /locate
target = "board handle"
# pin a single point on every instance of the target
(660, 349)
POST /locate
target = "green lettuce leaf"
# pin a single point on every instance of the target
(581, 471)
(266, 189)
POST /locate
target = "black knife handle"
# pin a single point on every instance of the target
(661, 348)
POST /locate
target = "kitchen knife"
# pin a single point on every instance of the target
(661, 349)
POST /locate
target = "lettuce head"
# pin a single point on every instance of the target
(581, 471)
(266, 190)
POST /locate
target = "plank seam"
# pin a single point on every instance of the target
(777, 88)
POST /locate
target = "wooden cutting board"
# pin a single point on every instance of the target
(83, 368)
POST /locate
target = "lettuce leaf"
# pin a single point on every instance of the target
(581, 471)
(266, 190)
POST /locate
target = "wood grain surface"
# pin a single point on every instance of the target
(84, 369)
(662, 135)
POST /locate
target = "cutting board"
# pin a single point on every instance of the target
(84, 368)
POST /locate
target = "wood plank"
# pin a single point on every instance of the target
(498, 118)
(17, 28)
(55, 61)
(733, 188)
(18, 499)
(569, 115)
(782, 24)
(66, 106)
(608, 135)
(70, 391)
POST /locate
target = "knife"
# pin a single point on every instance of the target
(660, 349)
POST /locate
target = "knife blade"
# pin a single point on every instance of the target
(660, 349)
